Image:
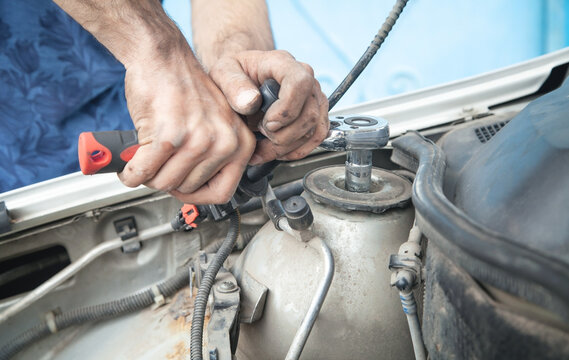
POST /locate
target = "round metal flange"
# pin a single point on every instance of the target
(388, 190)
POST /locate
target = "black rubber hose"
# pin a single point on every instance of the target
(368, 54)
(256, 173)
(112, 309)
(23, 272)
(246, 236)
(446, 225)
(200, 302)
(282, 192)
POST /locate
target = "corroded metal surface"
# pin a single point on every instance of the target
(154, 333)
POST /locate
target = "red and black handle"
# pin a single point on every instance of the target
(109, 151)
(106, 151)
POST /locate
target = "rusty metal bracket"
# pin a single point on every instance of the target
(223, 327)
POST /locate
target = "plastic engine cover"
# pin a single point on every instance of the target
(518, 182)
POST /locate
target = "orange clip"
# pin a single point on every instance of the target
(190, 213)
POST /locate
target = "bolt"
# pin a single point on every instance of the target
(358, 136)
(358, 170)
(227, 287)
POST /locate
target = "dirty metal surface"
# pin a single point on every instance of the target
(161, 333)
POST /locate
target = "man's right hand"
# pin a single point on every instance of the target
(193, 144)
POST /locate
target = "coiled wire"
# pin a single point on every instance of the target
(111, 309)
(200, 303)
(368, 54)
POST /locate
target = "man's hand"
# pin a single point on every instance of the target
(193, 144)
(294, 124)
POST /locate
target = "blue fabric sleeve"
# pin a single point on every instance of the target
(56, 80)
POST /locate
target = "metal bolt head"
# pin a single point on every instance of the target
(227, 287)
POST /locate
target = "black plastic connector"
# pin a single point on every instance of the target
(298, 213)
(275, 211)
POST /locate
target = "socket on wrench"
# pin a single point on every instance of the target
(358, 135)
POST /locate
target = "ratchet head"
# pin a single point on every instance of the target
(356, 132)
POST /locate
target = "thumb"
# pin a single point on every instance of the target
(240, 91)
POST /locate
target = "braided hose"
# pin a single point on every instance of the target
(200, 303)
(245, 239)
(368, 54)
(129, 304)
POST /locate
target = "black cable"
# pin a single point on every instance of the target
(256, 173)
(200, 302)
(282, 192)
(362, 63)
(129, 304)
(245, 236)
(368, 54)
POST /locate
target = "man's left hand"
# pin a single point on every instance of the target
(296, 123)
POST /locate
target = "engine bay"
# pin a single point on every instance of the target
(464, 225)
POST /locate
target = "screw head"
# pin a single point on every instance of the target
(227, 287)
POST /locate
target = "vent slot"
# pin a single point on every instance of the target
(485, 133)
(25, 272)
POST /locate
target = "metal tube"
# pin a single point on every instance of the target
(77, 265)
(415, 234)
(410, 309)
(358, 170)
(305, 328)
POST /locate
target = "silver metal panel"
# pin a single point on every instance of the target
(65, 196)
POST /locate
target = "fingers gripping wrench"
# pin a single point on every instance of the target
(109, 151)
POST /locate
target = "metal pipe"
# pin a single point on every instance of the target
(410, 309)
(415, 234)
(405, 280)
(77, 265)
(305, 328)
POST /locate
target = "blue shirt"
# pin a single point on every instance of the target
(56, 80)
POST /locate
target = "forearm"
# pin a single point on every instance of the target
(226, 27)
(132, 30)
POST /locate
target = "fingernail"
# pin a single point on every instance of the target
(246, 98)
(273, 126)
(255, 160)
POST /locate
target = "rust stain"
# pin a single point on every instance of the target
(182, 305)
(180, 352)
(181, 310)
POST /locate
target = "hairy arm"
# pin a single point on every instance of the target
(194, 144)
(226, 27)
(129, 29)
